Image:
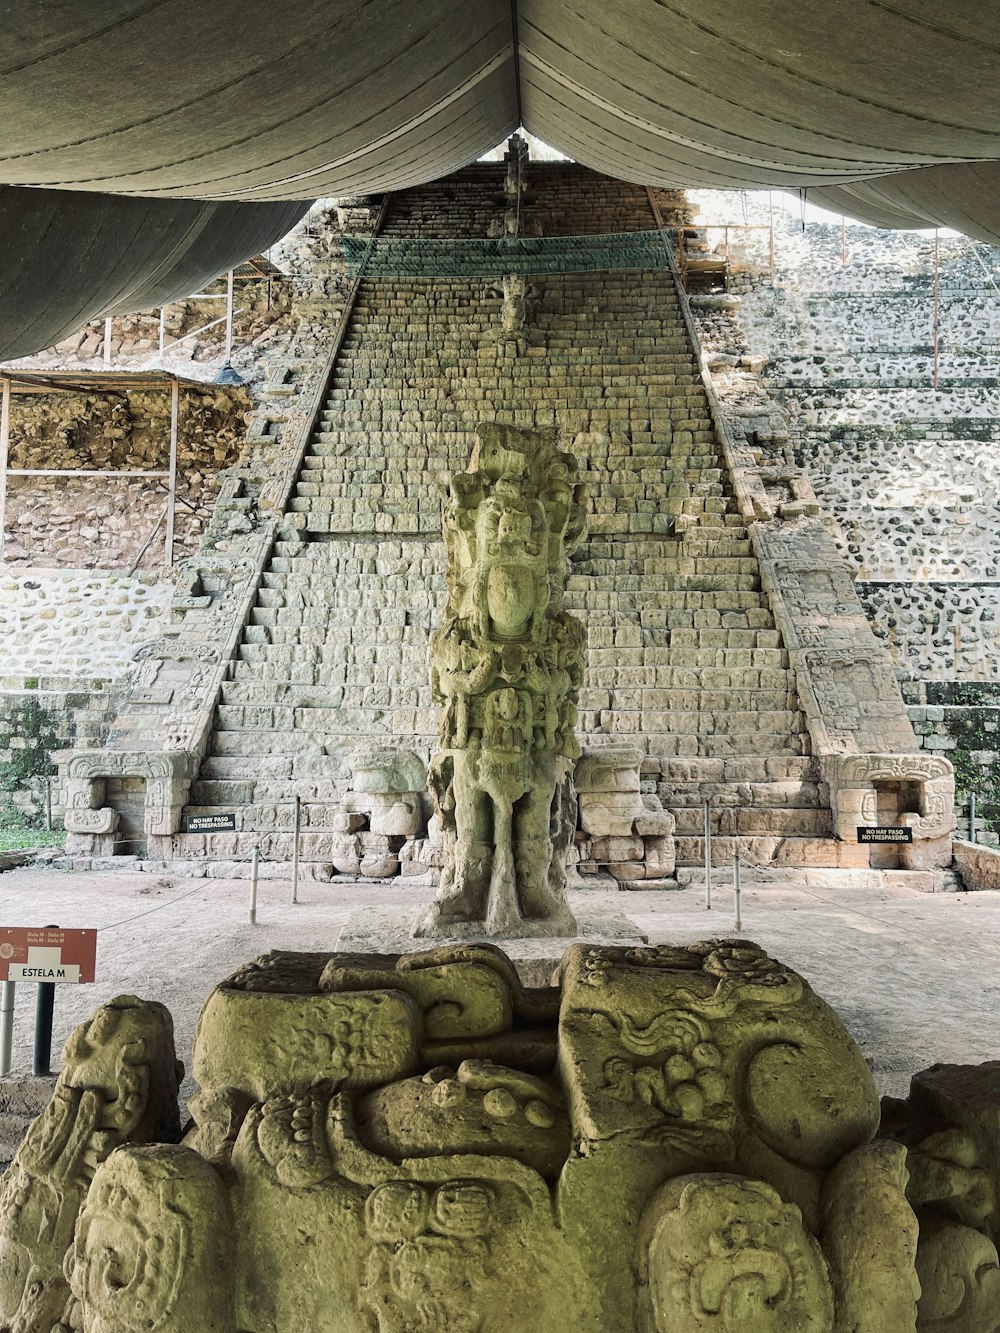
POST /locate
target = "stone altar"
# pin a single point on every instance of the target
(665, 1139)
(506, 667)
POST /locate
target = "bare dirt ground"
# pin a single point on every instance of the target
(916, 977)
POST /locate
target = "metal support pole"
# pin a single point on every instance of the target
(6, 1027)
(168, 541)
(163, 327)
(296, 832)
(972, 816)
(738, 923)
(48, 804)
(937, 306)
(107, 341)
(229, 316)
(4, 457)
(708, 855)
(254, 868)
(44, 1005)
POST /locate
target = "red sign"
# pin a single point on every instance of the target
(45, 953)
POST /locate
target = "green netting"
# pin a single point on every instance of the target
(420, 257)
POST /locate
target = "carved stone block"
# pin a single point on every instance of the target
(670, 1139)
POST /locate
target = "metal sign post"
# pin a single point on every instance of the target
(229, 316)
(738, 924)
(45, 1004)
(972, 816)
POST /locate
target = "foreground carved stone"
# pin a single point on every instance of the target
(118, 1085)
(506, 666)
(666, 1140)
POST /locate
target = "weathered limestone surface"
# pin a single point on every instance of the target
(950, 1124)
(621, 828)
(666, 1139)
(978, 866)
(174, 683)
(828, 366)
(507, 665)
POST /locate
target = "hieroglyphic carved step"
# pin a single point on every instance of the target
(683, 657)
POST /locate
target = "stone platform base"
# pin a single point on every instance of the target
(388, 930)
(823, 877)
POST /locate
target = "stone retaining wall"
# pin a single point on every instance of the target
(105, 522)
(978, 866)
(79, 625)
(828, 368)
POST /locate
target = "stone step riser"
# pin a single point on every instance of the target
(791, 794)
(765, 821)
(274, 690)
(745, 768)
(414, 723)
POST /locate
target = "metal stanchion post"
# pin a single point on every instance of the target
(6, 1027)
(254, 867)
(48, 804)
(708, 855)
(972, 816)
(297, 829)
(738, 924)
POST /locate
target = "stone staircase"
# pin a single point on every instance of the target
(683, 660)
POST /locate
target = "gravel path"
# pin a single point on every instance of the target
(915, 976)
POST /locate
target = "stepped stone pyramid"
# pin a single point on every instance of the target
(683, 657)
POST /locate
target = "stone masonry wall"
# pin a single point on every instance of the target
(105, 522)
(66, 642)
(829, 367)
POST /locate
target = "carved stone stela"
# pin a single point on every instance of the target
(665, 1140)
(506, 668)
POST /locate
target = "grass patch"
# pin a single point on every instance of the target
(17, 833)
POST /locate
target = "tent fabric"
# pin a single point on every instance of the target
(963, 195)
(242, 99)
(139, 123)
(67, 257)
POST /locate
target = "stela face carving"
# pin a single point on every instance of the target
(506, 667)
(666, 1140)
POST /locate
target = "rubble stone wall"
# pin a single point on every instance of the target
(829, 366)
(104, 522)
(77, 625)
(66, 642)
